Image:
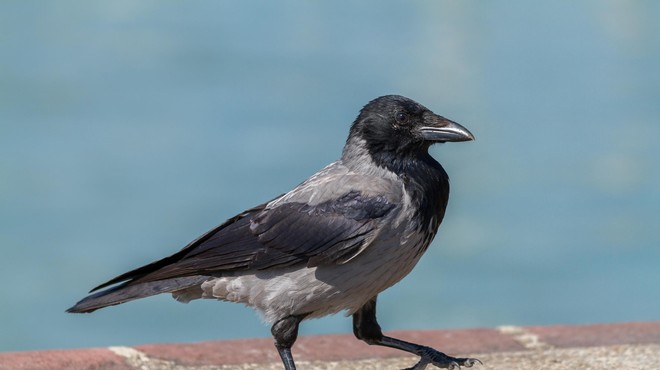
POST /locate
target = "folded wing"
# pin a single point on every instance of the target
(289, 233)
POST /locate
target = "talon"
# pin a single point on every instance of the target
(438, 359)
(469, 362)
(454, 366)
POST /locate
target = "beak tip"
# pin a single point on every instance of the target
(447, 133)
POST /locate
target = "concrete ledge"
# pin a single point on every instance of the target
(605, 346)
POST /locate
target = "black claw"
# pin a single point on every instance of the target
(442, 360)
(453, 365)
(467, 362)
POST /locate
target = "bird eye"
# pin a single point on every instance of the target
(401, 117)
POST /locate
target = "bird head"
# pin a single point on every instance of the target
(397, 125)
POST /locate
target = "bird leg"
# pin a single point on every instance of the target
(285, 333)
(366, 328)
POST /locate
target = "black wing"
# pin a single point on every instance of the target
(288, 234)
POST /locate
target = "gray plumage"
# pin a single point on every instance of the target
(331, 244)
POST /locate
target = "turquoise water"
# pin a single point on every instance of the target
(129, 128)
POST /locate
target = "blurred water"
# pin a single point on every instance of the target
(129, 128)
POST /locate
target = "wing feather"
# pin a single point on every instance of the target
(286, 234)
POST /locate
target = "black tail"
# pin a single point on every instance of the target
(126, 292)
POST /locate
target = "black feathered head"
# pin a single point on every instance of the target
(397, 125)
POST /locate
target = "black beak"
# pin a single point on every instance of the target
(439, 129)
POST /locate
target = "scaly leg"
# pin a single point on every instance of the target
(285, 333)
(366, 328)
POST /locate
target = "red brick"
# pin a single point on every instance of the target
(336, 347)
(329, 347)
(449, 341)
(78, 359)
(214, 352)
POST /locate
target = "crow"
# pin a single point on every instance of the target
(332, 244)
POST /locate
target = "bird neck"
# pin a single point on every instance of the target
(427, 184)
(424, 179)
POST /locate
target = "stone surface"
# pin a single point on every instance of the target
(621, 357)
(327, 348)
(627, 346)
(599, 334)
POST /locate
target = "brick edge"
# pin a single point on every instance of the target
(337, 347)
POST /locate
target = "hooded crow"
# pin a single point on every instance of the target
(331, 244)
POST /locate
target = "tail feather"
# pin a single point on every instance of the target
(126, 292)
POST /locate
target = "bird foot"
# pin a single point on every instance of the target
(441, 360)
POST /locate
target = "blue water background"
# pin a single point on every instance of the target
(128, 128)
